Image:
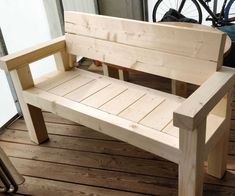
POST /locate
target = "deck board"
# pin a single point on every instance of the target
(80, 161)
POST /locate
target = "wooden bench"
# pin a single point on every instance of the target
(185, 131)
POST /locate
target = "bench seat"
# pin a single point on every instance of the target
(144, 115)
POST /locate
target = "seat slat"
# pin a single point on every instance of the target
(60, 78)
(149, 139)
(71, 85)
(161, 115)
(140, 109)
(109, 98)
(101, 97)
(171, 130)
(213, 123)
(121, 102)
(88, 89)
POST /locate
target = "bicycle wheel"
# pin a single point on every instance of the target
(229, 12)
(190, 9)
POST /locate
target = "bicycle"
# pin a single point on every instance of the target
(192, 9)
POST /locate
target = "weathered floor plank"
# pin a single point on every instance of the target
(91, 160)
(40, 186)
(80, 144)
(96, 177)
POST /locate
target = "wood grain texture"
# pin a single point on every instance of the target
(142, 59)
(115, 126)
(197, 43)
(191, 163)
(30, 55)
(103, 109)
(161, 49)
(22, 80)
(40, 186)
(190, 114)
(137, 111)
(217, 166)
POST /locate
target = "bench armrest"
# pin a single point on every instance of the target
(15, 60)
(196, 108)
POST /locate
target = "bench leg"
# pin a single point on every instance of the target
(115, 72)
(217, 158)
(179, 88)
(191, 166)
(33, 117)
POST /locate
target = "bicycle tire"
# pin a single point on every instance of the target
(195, 3)
(229, 11)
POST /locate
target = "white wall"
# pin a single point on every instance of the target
(7, 105)
(80, 5)
(23, 24)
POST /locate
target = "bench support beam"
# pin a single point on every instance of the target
(114, 72)
(217, 158)
(191, 165)
(33, 117)
(64, 61)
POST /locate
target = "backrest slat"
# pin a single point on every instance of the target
(179, 53)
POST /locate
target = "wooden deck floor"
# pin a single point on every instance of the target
(80, 161)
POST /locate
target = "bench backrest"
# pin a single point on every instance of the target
(176, 52)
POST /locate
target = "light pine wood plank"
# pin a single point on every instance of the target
(191, 166)
(141, 59)
(104, 95)
(171, 130)
(115, 72)
(161, 115)
(89, 89)
(49, 82)
(64, 61)
(47, 76)
(179, 88)
(140, 109)
(212, 125)
(217, 166)
(187, 41)
(204, 99)
(128, 84)
(27, 56)
(71, 85)
(137, 134)
(121, 102)
(22, 80)
(72, 130)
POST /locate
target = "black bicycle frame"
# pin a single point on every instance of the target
(216, 19)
